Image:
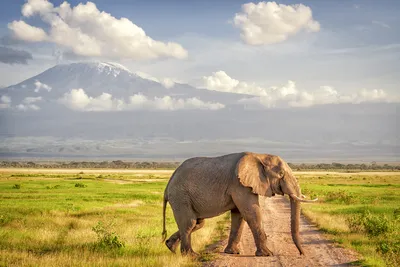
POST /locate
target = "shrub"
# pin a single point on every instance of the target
(80, 185)
(376, 225)
(16, 186)
(53, 187)
(396, 214)
(372, 225)
(354, 223)
(106, 237)
(390, 251)
(340, 196)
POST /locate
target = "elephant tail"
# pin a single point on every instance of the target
(164, 232)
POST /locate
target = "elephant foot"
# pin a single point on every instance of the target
(264, 252)
(172, 245)
(232, 250)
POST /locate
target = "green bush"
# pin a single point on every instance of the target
(16, 186)
(53, 187)
(80, 185)
(396, 214)
(355, 224)
(340, 196)
(390, 251)
(376, 225)
(370, 224)
(106, 237)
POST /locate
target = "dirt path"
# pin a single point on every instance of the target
(319, 251)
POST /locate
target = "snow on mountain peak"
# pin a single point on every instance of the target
(111, 65)
(108, 68)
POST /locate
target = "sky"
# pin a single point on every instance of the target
(344, 49)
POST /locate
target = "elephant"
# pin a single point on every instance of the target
(205, 187)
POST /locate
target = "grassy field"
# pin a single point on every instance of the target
(358, 210)
(114, 218)
(89, 219)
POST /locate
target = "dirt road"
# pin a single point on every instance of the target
(319, 251)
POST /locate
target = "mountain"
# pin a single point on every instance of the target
(96, 78)
(48, 116)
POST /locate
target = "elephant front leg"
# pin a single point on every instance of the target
(259, 235)
(237, 223)
(249, 207)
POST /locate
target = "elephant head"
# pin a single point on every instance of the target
(268, 175)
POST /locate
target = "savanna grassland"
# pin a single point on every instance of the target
(114, 217)
(358, 210)
(89, 219)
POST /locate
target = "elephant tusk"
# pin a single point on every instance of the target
(300, 199)
(303, 196)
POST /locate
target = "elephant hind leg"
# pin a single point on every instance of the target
(173, 242)
(186, 227)
(237, 223)
(186, 220)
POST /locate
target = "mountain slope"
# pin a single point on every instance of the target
(96, 78)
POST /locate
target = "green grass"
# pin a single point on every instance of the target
(89, 220)
(359, 211)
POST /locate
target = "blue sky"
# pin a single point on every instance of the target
(357, 46)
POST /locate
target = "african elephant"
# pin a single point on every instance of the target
(205, 187)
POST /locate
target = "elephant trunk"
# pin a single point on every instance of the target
(294, 223)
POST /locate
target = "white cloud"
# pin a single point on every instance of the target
(220, 81)
(5, 102)
(28, 104)
(77, 99)
(24, 107)
(289, 95)
(381, 23)
(39, 86)
(166, 82)
(269, 22)
(87, 31)
(30, 100)
(26, 32)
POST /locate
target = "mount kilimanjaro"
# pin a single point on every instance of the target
(103, 110)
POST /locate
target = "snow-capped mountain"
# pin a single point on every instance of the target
(57, 113)
(97, 78)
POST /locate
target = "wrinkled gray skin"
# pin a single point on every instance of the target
(205, 187)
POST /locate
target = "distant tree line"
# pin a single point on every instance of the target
(119, 164)
(373, 166)
(116, 164)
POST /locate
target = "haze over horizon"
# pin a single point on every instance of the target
(308, 80)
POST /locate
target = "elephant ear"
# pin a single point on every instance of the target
(250, 173)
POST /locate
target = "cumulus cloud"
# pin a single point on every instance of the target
(91, 32)
(269, 22)
(220, 81)
(26, 32)
(166, 82)
(41, 86)
(77, 99)
(288, 95)
(28, 104)
(13, 56)
(5, 102)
